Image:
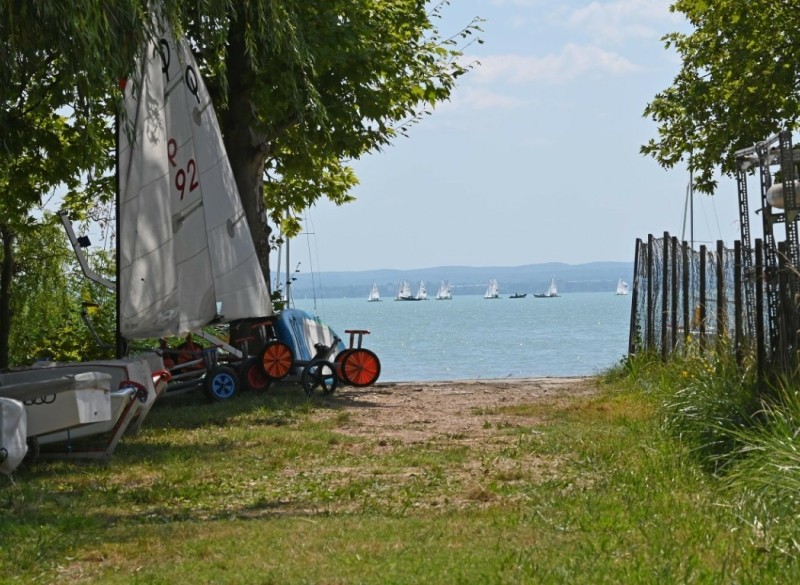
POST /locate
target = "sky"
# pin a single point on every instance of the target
(536, 156)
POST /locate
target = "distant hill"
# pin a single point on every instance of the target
(467, 280)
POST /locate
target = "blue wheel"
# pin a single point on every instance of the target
(221, 383)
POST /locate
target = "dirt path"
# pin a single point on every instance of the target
(416, 412)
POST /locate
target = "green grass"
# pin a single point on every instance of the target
(269, 489)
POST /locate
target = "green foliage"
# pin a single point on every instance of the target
(46, 300)
(737, 84)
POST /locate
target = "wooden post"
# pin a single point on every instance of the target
(761, 351)
(633, 332)
(702, 305)
(665, 297)
(650, 333)
(738, 333)
(674, 297)
(687, 323)
(722, 310)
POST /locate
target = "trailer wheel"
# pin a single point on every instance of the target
(320, 374)
(361, 367)
(221, 383)
(338, 361)
(277, 359)
(252, 376)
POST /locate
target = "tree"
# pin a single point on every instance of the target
(306, 86)
(301, 87)
(738, 84)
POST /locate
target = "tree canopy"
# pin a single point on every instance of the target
(301, 88)
(739, 83)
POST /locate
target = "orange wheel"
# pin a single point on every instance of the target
(337, 362)
(361, 367)
(277, 359)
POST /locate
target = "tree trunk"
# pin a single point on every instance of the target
(247, 154)
(6, 273)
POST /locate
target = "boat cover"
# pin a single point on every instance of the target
(302, 331)
(13, 433)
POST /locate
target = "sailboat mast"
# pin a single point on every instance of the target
(288, 276)
(119, 341)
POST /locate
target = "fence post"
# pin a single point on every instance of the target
(702, 306)
(687, 323)
(722, 309)
(650, 333)
(738, 341)
(761, 350)
(674, 297)
(635, 318)
(665, 297)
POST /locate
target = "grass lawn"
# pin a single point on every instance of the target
(273, 488)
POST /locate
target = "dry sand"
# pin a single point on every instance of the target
(419, 411)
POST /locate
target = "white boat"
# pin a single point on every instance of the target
(374, 294)
(404, 292)
(55, 401)
(187, 257)
(445, 292)
(13, 435)
(422, 293)
(552, 291)
(493, 290)
(622, 287)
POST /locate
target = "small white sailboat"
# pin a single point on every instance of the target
(445, 293)
(622, 287)
(374, 294)
(493, 290)
(422, 293)
(404, 292)
(552, 291)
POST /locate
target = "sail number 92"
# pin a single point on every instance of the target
(182, 175)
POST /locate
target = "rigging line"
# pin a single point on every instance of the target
(310, 258)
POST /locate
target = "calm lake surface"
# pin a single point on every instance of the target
(470, 337)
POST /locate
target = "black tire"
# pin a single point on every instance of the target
(221, 383)
(252, 376)
(320, 374)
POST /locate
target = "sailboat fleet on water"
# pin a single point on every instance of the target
(445, 292)
(404, 292)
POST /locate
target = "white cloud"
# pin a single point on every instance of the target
(482, 99)
(573, 62)
(619, 20)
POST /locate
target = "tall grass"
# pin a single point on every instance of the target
(742, 431)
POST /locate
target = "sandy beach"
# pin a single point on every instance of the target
(412, 412)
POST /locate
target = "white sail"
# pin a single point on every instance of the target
(552, 290)
(186, 252)
(493, 290)
(622, 287)
(374, 294)
(445, 292)
(422, 293)
(404, 292)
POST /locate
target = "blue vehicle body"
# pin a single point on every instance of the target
(302, 331)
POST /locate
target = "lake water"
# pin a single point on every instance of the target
(470, 337)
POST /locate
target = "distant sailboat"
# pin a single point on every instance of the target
(552, 291)
(622, 287)
(493, 290)
(422, 294)
(444, 294)
(374, 294)
(404, 292)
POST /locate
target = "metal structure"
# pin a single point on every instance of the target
(781, 259)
